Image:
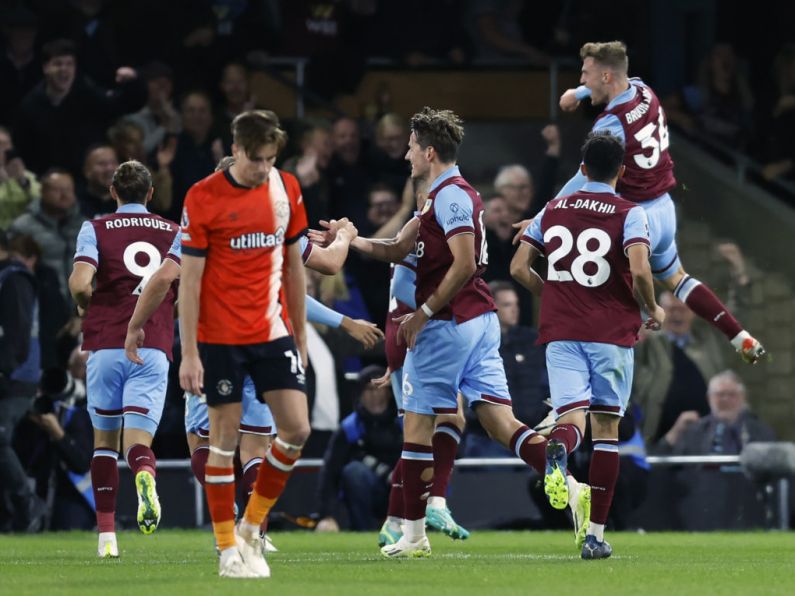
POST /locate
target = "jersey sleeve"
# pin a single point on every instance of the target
(453, 209)
(193, 236)
(306, 248)
(175, 252)
(317, 312)
(532, 235)
(636, 228)
(404, 284)
(582, 92)
(298, 222)
(611, 124)
(87, 251)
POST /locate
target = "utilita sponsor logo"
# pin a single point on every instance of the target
(257, 240)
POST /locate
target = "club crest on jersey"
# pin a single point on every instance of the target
(257, 240)
(427, 206)
(224, 387)
(282, 209)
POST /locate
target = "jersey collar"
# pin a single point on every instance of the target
(600, 187)
(623, 97)
(448, 173)
(132, 208)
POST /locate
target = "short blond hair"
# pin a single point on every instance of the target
(612, 54)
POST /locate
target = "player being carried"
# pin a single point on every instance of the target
(597, 249)
(634, 114)
(120, 252)
(453, 337)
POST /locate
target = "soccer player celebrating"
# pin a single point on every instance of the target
(634, 114)
(242, 312)
(597, 249)
(121, 251)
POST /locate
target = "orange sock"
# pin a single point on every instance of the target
(272, 477)
(219, 485)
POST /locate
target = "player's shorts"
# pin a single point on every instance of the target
(589, 375)
(256, 418)
(396, 378)
(449, 357)
(118, 389)
(661, 214)
(272, 366)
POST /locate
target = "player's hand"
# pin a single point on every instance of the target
(191, 374)
(384, 381)
(656, 319)
(568, 101)
(410, 327)
(133, 341)
(348, 230)
(365, 332)
(521, 226)
(327, 524)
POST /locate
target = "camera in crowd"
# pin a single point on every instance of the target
(57, 385)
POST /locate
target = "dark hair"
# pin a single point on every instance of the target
(197, 92)
(255, 128)
(3, 241)
(440, 129)
(26, 246)
(499, 285)
(382, 187)
(602, 154)
(370, 372)
(57, 48)
(53, 172)
(132, 182)
(94, 146)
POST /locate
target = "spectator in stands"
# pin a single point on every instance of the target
(19, 69)
(127, 139)
(497, 34)
(389, 153)
(725, 430)
(237, 98)
(94, 197)
(56, 443)
(780, 156)
(310, 166)
(525, 369)
(348, 172)
(65, 113)
(18, 186)
(19, 377)
(158, 119)
(53, 222)
(359, 459)
(197, 150)
(672, 367)
(515, 183)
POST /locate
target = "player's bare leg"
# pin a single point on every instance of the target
(446, 437)
(219, 485)
(105, 483)
(417, 467)
(602, 476)
(290, 412)
(253, 450)
(137, 449)
(703, 301)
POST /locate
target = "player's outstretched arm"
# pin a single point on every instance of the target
(330, 259)
(80, 284)
(643, 284)
(294, 276)
(150, 299)
(392, 250)
(522, 268)
(365, 332)
(191, 371)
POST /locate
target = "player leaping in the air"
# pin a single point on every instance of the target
(634, 114)
(597, 249)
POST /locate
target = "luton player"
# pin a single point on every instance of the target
(121, 252)
(634, 114)
(597, 250)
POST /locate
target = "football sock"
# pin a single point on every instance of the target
(105, 485)
(602, 477)
(395, 507)
(567, 434)
(445, 442)
(533, 454)
(272, 477)
(702, 301)
(249, 476)
(141, 458)
(220, 489)
(198, 462)
(417, 463)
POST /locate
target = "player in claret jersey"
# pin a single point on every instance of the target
(121, 252)
(634, 114)
(597, 250)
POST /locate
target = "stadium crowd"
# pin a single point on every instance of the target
(89, 84)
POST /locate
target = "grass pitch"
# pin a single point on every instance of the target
(184, 562)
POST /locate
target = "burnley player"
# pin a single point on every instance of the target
(634, 114)
(242, 312)
(121, 252)
(597, 249)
